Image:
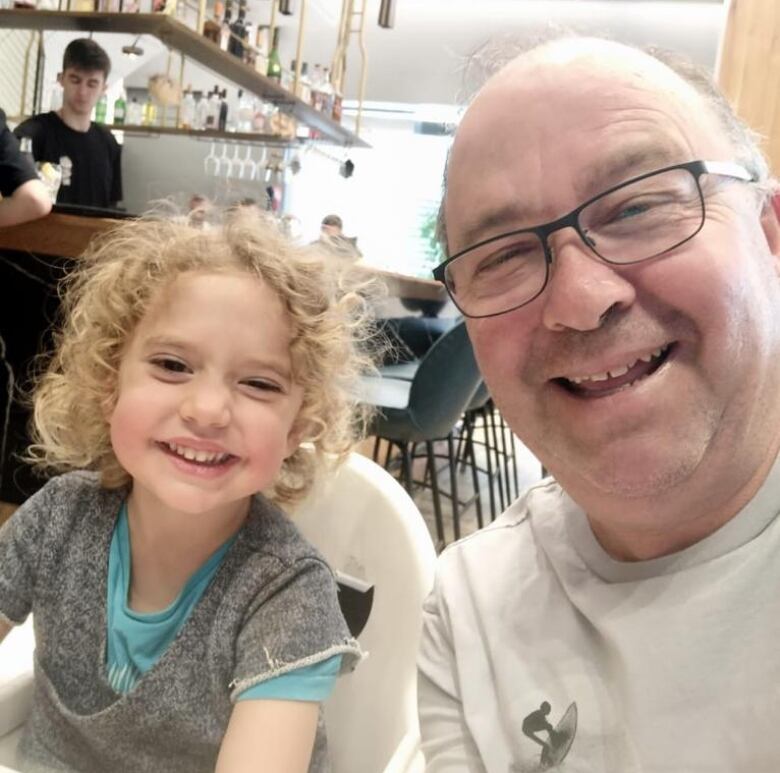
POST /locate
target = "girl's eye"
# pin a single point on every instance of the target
(261, 385)
(170, 365)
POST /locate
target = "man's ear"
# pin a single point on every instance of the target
(59, 78)
(770, 223)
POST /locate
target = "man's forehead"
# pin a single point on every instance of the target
(581, 120)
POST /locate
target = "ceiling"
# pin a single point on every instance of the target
(422, 59)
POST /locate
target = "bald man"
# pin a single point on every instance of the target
(613, 243)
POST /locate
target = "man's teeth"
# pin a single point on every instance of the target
(204, 457)
(620, 370)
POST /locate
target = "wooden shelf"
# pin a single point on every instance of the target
(178, 36)
(209, 134)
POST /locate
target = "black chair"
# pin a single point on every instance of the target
(425, 409)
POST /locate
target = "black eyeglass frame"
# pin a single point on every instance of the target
(571, 220)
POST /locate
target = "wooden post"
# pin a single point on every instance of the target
(748, 68)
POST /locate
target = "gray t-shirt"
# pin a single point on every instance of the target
(271, 608)
(541, 652)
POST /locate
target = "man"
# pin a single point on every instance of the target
(332, 236)
(24, 196)
(614, 242)
(87, 152)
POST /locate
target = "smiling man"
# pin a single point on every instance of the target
(614, 245)
(87, 152)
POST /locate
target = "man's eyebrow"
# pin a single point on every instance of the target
(494, 222)
(628, 163)
(619, 166)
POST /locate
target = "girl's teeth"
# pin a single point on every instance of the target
(620, 371)
(191, 455)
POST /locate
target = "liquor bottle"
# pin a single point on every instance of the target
(149, 117)
(304, 84)
(120, 109)
(274, 71)
(249, 50)
(212, 112)
(246, 112)
(187, 112)
(100, 109)
(134, 112)
(237, 33)
(212, 26)
(338, 104)
(288, 77)
(201, 111)
(327, 93)
(316, 88)
(224, 39)
(261, 50)
(223, 111)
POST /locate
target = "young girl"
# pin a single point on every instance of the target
(181, 622)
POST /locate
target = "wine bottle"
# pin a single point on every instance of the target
(274, 71)
(120, 109)
(100, 109)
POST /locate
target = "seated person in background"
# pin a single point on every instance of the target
(87, 152)
(24, 196)
(199, 207)
(182, 623)
(615, 248)
(332, 237)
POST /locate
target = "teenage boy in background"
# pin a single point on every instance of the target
(89, 155)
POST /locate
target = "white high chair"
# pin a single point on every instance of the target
(16, 689)
(367, 526)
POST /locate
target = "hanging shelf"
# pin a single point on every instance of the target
(200, 49)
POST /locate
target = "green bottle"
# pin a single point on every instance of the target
(274, 71)
(120, 110)
(100, 109)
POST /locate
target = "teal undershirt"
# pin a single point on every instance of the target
(137, 641)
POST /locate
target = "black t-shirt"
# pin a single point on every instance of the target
(15, 169)
(90, 160)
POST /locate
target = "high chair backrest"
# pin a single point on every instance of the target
(367, 527)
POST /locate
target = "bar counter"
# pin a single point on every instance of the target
(60, 234)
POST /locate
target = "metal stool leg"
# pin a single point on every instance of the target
(435, 492)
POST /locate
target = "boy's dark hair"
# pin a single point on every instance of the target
(85, 54)
(334, 220)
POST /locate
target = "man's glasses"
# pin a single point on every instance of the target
(637, 220)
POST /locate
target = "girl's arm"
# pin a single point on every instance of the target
(271, 736)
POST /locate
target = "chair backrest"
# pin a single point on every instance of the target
(367, 526)
(444, 383)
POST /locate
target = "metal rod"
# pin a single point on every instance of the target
(201, 15)
(181, 86)
(299, 49)
(272, 25)
(363, 67)
(338, 65)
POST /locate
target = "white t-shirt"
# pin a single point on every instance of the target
(664, 666)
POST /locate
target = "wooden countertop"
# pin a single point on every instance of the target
(67, 236)
(57, 234)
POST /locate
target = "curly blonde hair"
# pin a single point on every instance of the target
(113, 285)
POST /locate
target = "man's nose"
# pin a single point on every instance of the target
(582, 288)
(206, 405)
